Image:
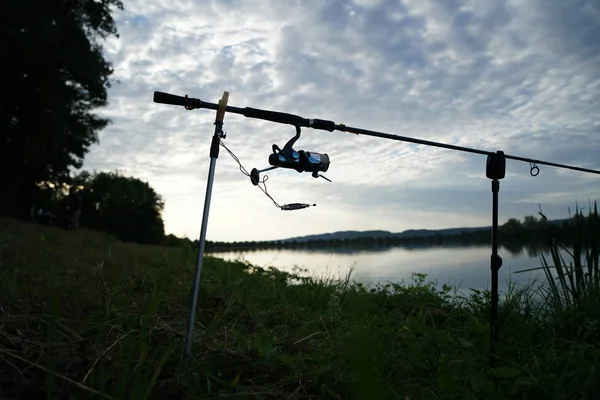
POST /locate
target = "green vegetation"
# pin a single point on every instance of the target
(86, 314)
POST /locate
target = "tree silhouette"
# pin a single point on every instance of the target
(122, 206)
(511, 227)
(53, 76)
(530, 221)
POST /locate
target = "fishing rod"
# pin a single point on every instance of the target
(302, 161)
(291, 119)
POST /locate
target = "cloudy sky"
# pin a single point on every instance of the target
(522, 76)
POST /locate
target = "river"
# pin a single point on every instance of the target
(464, 267)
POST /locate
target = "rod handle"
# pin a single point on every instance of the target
(172, 99)
(167, 98)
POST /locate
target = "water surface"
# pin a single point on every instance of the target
(462, 266)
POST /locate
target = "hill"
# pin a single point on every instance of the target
(341, 235)
(410, 233)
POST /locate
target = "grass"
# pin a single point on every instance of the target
(83, 315)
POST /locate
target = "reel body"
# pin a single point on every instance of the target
(301, 161)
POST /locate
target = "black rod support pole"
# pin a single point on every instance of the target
(495, 169)
(495, 264)
(285, 118)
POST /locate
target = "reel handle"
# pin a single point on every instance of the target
(254, 176)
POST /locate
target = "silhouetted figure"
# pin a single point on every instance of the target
(73, 208)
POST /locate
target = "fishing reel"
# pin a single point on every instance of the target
(301, 161)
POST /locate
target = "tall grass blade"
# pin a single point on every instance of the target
(577, 247)
(560, 266)
(593, 258)
(550, 279)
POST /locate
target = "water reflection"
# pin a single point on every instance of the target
(532, 249)
(462, 265)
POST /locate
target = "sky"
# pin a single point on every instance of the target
(521, 76)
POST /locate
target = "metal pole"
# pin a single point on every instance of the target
(214, 154)
(495, 264)
(199, 258)
(495, 169)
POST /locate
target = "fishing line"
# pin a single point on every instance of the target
(285, 207)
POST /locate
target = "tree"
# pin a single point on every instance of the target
(122, 206)
(174, 241)
(530, 221)
(511, 227)
(53, 76)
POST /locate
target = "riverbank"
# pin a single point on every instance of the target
(81, 312)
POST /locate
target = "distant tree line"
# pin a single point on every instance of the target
(512, 234)
(131, 210)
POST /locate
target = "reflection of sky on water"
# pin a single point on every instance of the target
(464, 267)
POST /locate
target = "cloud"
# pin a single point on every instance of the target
(518, 76)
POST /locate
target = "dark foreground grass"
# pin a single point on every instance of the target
(85, 316)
